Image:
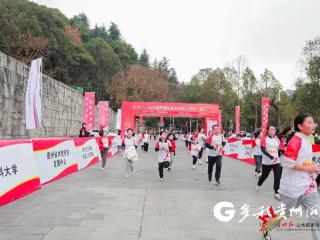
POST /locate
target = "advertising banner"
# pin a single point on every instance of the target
(33, 96)
(103, 114)
(88, 150)
(18, 172)
(88, 110)
(55, 158)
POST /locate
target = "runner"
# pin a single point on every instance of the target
(194, 149)
(163, 147)
(298, 187)
(189, 137)
(215, 143)
(202, 142)
(270, 147)
(173, 149)
(207, 149)
(128, 142)
(145, 141)
(104, 145)
(257, 154)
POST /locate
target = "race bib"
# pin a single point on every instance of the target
(273, 152)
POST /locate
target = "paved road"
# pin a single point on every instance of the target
(105, 205)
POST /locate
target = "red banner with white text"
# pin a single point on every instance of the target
(103, 114)
(88, 110)
(265, 107)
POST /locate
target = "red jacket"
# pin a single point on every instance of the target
(173, 143)
(100, 143)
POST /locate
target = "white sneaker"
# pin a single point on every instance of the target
(127, 176)
(277, 196)
(161, 179)
(258, 189)
(259, 174)
(200, 162)
(194, 166)
(102, 169)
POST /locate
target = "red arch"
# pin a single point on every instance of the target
(129, 110)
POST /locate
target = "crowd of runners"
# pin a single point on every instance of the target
(288, 154)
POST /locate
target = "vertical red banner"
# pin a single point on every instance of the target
(237, 115)
(88, 110)
(103, 114)
(265, 107)
(220, 121)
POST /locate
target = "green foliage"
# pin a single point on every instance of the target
(114, 32)
(72, 52)
(125, 52)
(144, 59)
(107, 64)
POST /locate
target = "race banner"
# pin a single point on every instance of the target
(265, 107)
(237, 118)
(18, 172)
(88, 151)
(103, 114)
(55, 158)
(245, 149)
(33, 96)
(88, 110)
(232, 147)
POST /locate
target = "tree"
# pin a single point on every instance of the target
(126, 53)
(144, 59)
(107, 64)
(271, 87)
(99, 32)
(138, 84)
(173, 76)
(81, 22)
(307, 97)
(114, 32)
(250, 101)
(235, 71)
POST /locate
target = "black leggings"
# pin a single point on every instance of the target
(266, 169)
(145, 147)
(194, 160)
(160, 168)
(200, 153)
(211, 162)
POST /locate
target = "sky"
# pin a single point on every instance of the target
(196, 34)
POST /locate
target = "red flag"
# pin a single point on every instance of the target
(237, 119)
(88, 110)
(265, 107)
(103, 114)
